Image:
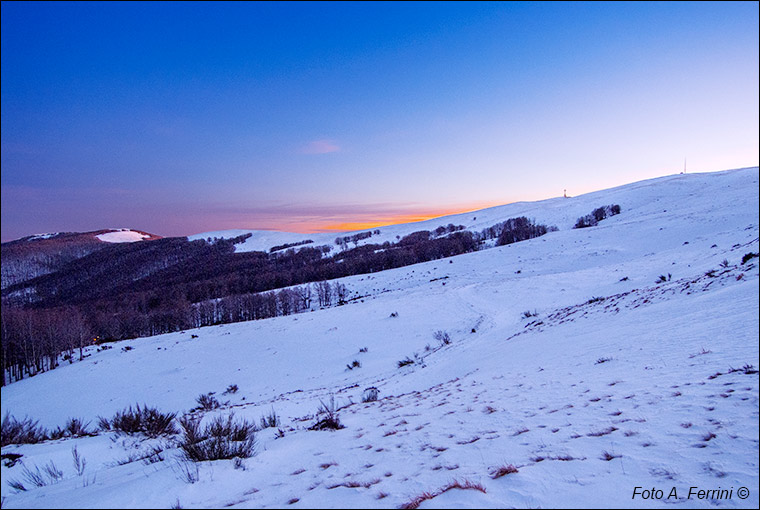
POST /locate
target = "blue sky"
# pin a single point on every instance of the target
(178, 118)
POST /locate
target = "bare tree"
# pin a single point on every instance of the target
(303, 294)
(342, 293)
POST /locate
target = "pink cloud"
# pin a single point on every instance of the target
(320, 147)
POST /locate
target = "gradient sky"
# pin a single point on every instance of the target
(179, 118)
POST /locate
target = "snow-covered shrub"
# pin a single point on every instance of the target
(49, 474)
(207, 402)
(74, 428)
(270, 420)
(406, 361)
(370, 394)
(26, 431)
(442, 336)
(749, 256)
(222, 438)
(232, 388)
(187, 471)
(329, 417)
(143, 420)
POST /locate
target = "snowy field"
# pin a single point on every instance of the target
(570, 359)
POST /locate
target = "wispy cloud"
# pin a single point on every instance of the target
(320, 147)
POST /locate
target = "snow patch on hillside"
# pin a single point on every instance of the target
(42, 236)
(122, 235)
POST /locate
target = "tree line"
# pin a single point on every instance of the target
(142, 289)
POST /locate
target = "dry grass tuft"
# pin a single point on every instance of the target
(465, 485)
(507, 469)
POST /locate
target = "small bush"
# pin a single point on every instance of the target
(104, 423)
(49, 474)
(186, 470)
(442, 336)
(370, 394)
(26, 431)
(220, 439)
(749, 256)
(143, 420)
(585, 221)
(74, 428)
(207, 402)
(528, 314)
(329, 417)
(405, 362)
(746, 369)
(354, 364)
(270, 420)
(232, 388)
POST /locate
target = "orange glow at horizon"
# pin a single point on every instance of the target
(396, 219)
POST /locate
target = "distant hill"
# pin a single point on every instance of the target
(33, 256)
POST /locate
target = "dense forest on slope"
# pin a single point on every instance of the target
(33, 256)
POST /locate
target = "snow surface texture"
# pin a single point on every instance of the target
(613, 380)
(122, 235)
(42, 236)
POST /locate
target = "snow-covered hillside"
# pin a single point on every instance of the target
(561, 212)
(592, 360)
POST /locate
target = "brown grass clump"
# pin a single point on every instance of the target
(504, 470)
(608, 430)
(465, 485)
